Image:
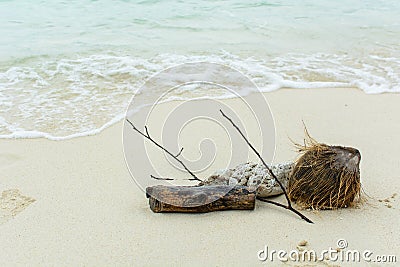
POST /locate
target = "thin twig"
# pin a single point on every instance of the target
(147, 136)
(286, 207)
(259, 156)
(289, 204)
(180, 152)
(161, 178)
(169, 179)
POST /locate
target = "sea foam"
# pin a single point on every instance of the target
(73, 97)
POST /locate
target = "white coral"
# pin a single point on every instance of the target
(255, 176)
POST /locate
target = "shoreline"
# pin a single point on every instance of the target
(89, 211)
(26, 135)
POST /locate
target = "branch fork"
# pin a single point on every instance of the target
(195, 178)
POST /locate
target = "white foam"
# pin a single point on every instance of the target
(68, 98)
(38, 134)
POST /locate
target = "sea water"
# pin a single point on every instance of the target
(70, 68)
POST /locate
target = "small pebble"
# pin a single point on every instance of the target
(389, 206)
(303, 243)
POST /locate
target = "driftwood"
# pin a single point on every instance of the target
(199, 199)
(161, 206)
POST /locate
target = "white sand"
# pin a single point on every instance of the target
(88, 210)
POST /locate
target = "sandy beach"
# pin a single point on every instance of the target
(88, 211)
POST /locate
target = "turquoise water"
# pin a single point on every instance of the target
(69, 68)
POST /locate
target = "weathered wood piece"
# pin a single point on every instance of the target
(200, 199)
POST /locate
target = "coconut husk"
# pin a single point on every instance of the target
(325, 176)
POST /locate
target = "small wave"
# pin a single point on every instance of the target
(38, 134)
(68, 98)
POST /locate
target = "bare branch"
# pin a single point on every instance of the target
(289, 204)
(147, 136)
(286, 207)
(180, 152)
(170, 179)
(161, 178)
(258, 155)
